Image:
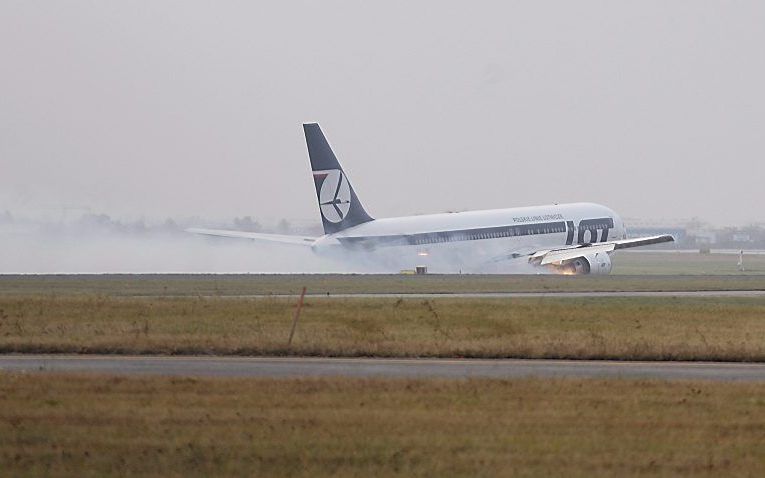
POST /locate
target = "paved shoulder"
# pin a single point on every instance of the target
(389, 368)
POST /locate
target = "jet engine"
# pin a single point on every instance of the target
(597, 263)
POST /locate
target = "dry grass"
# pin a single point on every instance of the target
(101, 426)
(614, 328)
(242, 285)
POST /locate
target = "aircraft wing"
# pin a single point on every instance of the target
(256, 236)
(551, 256)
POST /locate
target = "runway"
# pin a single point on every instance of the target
(510, 295)
(378, 368)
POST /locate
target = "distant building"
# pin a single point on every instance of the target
(705, 237)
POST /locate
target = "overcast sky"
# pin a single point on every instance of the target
(184, 108)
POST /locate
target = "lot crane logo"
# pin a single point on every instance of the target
(334, 194)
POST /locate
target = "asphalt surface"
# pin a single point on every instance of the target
(387, 368)
(501, 295)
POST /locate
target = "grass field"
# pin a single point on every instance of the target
(683, 263)
(592, 328)
(244, 284)
(101, 426)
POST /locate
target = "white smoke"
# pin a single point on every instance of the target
(44, 248)
(97, 244)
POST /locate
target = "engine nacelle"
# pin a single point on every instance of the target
(597, 263)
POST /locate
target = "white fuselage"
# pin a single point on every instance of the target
(474, 241)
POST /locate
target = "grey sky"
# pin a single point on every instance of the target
(194, 108)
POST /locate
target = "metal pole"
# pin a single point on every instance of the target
(296, 317)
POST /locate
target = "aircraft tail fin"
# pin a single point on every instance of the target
(339, 206)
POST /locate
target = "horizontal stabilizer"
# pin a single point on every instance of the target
(256, 236)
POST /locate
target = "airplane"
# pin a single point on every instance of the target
(572, 239)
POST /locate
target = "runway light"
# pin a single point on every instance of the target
(423, 253)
